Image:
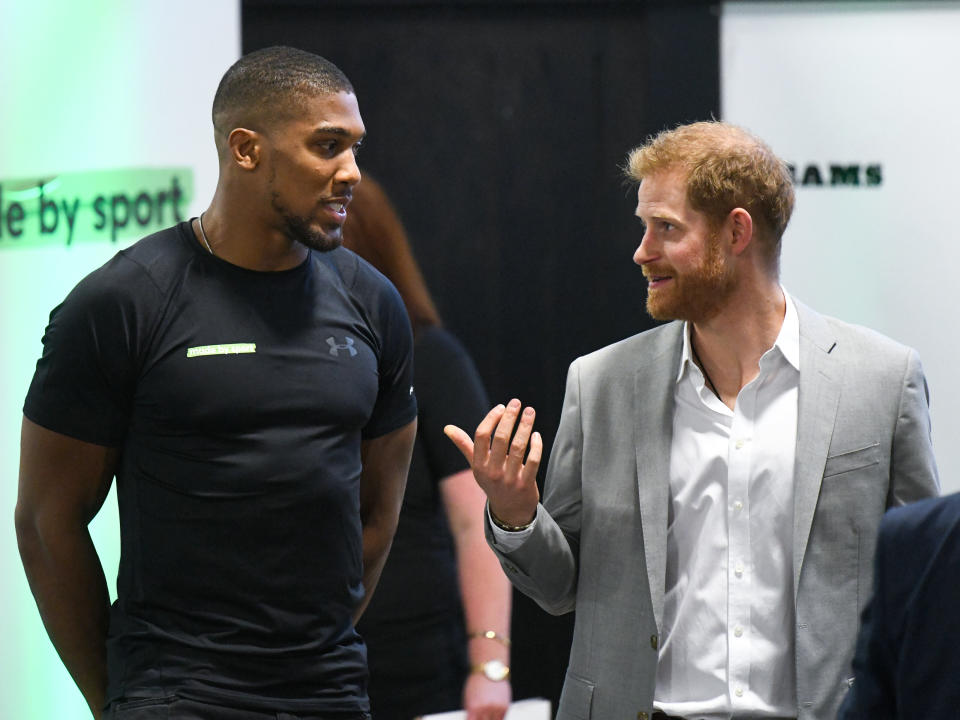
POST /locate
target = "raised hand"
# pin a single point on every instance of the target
(498, 462)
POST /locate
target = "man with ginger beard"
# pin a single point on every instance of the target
(716, 483)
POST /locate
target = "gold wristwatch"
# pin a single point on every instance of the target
(493, 670)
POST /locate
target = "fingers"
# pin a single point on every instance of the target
(492, 453)
(529, 472)
(518, 447)
(481, 447)
(501, 439)
(459, 438)
(487, 713)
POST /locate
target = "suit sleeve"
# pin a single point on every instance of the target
(913, 469)
(545, 566)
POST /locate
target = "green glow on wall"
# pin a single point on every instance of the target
(97, 98)
(73, 208)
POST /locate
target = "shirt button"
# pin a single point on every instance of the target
(654, 642)
(738, 570)
(738, 506)
(738, 631)
(739, 444)
(738, 692)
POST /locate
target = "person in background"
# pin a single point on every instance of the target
(907, 663)
(432, 648)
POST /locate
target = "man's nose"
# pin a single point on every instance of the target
(644, 252)
(349, 171)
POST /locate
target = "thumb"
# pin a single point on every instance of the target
(459, 438)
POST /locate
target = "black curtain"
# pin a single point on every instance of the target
(499, 129)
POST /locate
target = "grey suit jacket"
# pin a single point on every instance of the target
(599, 544)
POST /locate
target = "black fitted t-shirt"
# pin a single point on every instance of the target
(239, 400)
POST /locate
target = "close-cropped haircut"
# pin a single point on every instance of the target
(268, 85)
(726, 167)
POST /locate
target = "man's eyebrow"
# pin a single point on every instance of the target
(335, 130)
(655, 214)
(666, 217)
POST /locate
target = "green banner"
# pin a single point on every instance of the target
(95, 206)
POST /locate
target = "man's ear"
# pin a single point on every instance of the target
(740, 226)
(245, 147)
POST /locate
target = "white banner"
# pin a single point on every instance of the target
(859, 98)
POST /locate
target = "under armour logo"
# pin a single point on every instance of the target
(336, 347)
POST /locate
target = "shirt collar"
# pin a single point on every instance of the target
(787, 342)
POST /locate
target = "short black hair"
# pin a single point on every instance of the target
(269, 84)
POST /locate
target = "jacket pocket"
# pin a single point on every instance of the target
(576, 698)
(852, 460)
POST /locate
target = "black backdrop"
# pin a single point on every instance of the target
(499, 130)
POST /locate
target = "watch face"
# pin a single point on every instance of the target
(495, 670)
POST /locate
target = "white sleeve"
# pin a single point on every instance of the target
(509, 540)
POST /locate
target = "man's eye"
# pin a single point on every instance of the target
(666, 226)
(356, 149)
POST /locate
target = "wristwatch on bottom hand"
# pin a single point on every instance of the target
(493, 670)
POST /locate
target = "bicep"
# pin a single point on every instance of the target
(62, 480)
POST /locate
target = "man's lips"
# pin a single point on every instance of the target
(336, 207)
(656, 278)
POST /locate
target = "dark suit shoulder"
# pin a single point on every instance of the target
(931, 517)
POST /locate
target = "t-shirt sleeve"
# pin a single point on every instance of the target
(396, 403)
(449, 392)
(85, 379)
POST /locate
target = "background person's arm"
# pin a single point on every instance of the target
(486, 595)
(63, 483)
(386, 460)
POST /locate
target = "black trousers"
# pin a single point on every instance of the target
(175, 708)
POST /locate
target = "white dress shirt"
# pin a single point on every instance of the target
(727, 646)
(727, 640)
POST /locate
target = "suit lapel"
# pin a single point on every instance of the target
(654, 386)
(819, 397)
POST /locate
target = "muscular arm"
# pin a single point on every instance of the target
(63, 483)
(485, 591)
(386, 460)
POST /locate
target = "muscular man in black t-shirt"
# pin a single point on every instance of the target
(248, 383)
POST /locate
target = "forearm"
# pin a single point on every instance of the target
(70, 589)
(386, 460)
(486, 595)
(377, 539)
